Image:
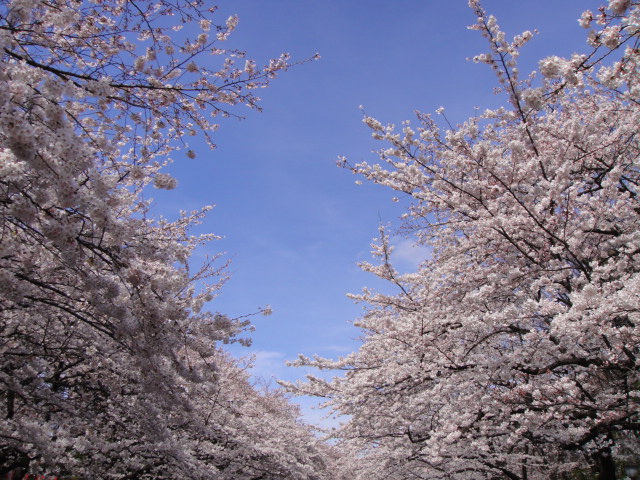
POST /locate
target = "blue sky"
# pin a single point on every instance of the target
(294, 224)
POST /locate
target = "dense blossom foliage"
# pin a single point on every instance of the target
(513, 351)
(110, 367)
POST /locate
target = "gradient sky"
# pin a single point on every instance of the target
(294, 224)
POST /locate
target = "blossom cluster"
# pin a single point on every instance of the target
(111, 366)
(512, 352)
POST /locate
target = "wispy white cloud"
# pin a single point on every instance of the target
(268, 366)
(338, 348)
(407, 256)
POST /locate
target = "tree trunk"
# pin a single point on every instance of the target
(606, 466)
(10, 404)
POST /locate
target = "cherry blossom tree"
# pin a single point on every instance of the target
(110, 365)
(513, 351)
